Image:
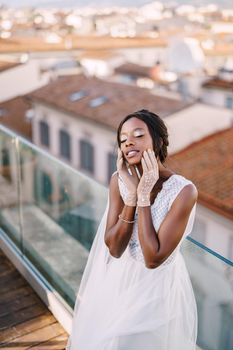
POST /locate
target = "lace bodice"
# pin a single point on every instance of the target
(159, 208)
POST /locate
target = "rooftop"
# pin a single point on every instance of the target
(134, 69)
(13, 115)
(209, 164)
(218, 83)
(21, 44)
(97, 54)
(223, 49)
(117, 100)
(7, 65)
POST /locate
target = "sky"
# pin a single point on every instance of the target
(78, 3)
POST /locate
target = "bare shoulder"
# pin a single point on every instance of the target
(114, 181)
(114, 187)
(190, 191)
(187, 197)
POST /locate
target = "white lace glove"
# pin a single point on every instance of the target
(130, 181)
(149, 178)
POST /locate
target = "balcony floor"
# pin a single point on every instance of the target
(25, 321)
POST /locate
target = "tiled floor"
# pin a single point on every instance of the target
(25, 321)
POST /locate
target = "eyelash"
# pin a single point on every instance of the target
(135, 136)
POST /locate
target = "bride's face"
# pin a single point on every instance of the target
(135, 138)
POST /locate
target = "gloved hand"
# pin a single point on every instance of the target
(149, 178)
(130, 181)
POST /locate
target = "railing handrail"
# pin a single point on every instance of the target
(47, 154)
(202, 246)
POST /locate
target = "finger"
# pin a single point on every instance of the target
(133, 171)
(122, 167)
(125, 164)
(120, 164)
(155, 164)
(144, 166)
(153, 159)
(147, 160)
(119, 154)
(120, 157)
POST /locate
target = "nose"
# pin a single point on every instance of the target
(129, 141)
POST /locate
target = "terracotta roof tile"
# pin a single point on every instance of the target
(134, 69)
(12, 115)
(219, 84)
(209, 164)
(121, 99)
(7, 65)
(225, 49)
(97, 54)
(27, 43)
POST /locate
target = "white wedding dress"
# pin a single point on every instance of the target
(123, 305)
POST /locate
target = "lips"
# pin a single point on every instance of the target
(131, 153)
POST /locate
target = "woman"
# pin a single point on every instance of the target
(136, 292)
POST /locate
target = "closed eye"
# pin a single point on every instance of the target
(135, 136)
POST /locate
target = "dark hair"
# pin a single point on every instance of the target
(157, 128)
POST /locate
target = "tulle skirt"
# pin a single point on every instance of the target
(130, 307)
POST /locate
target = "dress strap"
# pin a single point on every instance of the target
(175, 189)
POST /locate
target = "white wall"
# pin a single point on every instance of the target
(194, 123)
(21, 80)
(146, 56)
(213, 97)
(216, 97)
(99, 67)
(185, 127)
(102, 139)
(214, 231)
(211, 277)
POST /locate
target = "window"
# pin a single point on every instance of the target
(231, 249)
(44, 134)
(6, 163)
(3, 112)
(64, 197)
(112, 158)
(64, 144)
(5, 157)
(29, 115)
(46, 187)
(87, 156)
(98, 101)
(76, 96)
(22, 161)
(229, 102)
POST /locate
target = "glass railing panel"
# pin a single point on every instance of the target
(9, 189)
(212, 280)
(61, 211)
(213, 232)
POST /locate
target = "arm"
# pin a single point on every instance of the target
(157, 246)
(118, 232)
